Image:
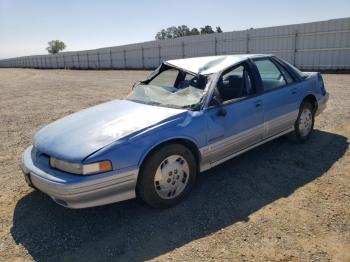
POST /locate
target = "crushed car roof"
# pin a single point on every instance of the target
(210, 64)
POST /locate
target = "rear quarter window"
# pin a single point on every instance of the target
(271, 76)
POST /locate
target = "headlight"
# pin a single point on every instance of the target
(81, 169)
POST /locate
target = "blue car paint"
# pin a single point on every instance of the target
(73, 139)
(76, 136)
(279, 103)
(240, 116)
(189, 125)
(80, 137)
(42, 163)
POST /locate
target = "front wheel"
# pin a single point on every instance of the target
(167, 176)
(304, 124)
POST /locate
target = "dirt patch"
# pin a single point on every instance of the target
(278, 202)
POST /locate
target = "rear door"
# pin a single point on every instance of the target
(280, 96)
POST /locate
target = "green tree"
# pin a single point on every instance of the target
(184, 30)
(194, 31)
(218, 29)
(55, 46)
(171, 32)
(162, 34)
(206, 30)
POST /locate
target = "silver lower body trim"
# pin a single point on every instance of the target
(87, 192)
(208, 165)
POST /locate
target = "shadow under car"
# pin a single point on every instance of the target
(133, 231)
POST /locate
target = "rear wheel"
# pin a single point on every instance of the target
(167, 176)
(304, 124)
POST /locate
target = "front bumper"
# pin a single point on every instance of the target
(80, 191)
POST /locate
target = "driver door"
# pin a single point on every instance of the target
(237, 122)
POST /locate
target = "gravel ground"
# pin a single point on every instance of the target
(278, 202)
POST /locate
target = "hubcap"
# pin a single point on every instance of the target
(171, 177)
(305, 122)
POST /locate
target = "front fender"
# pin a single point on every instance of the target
(132, 152)
(168, 140)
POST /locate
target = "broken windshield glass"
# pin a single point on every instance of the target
(171, 87)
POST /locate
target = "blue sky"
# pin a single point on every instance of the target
(27, 26)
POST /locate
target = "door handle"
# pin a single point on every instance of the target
(294, 91)
(258, 103)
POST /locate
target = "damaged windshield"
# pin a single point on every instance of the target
(171, 87)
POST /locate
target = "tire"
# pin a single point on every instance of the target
(166, 176)
(304, 124)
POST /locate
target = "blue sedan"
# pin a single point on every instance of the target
(188, 116)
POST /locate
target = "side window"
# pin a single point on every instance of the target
(166, 78)
(271, 76)
(235, 83)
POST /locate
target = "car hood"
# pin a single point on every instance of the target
(76, 136)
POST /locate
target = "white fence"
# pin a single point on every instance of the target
(309, 46)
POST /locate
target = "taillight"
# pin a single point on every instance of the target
(321, 84)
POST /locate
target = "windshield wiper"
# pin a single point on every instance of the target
(153, 103)
(193, 106)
